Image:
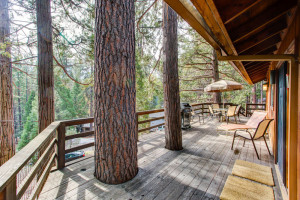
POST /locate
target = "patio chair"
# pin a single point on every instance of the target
(198, 114)
(215, 106)
(252, 123)
(212, 113)
(231, 113)
(237, 112)
(259, 133)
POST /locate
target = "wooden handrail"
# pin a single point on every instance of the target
(9, 169)
(43, 145)
(249, 107)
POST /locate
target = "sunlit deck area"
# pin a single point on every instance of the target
(199, 171)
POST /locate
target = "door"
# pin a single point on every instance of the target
(281, 128)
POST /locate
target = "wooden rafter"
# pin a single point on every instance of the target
(236, 8)
(259, 66)
(263, 45)
(269, 31)
(262, 19)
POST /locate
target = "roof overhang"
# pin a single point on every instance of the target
(244, 27)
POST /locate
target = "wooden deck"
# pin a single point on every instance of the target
(197, 172)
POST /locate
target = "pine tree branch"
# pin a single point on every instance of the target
(64, 69)
(156, 64)
(199, 63)
(141, 17)
(23, 72)
(200, 69)
(195, 78)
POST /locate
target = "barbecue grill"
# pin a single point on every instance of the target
(186, 113)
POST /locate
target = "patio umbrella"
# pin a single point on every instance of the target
(223, 86)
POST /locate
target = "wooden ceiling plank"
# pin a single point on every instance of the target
(259, 79)
(269, 50)
(263, 45)
(236, 8)
(250, 63)
(258, 65)
(269, 31)
(254, 24)
(259, 69)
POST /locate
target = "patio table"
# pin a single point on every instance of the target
(223, 111)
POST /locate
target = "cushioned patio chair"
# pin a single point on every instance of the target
(237, 112)
(259, 133)
(212, 113)
(197, 113)
(231, 113)
(215, 106)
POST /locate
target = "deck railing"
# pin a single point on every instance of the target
(250, 107)
(23, 176)
(202, 107)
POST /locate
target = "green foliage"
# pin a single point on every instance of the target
(70, 103)
(31, 126)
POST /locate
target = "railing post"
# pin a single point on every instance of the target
(10, 192)
(60, 150)
(246, 110)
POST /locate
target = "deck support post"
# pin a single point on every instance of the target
(60, 149)
(173, 132)
(10, 192)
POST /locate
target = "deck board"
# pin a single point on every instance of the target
(199, 171)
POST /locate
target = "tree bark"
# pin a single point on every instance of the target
(115, 93)
(215, 65)
(7, 139)
(45, 64)
(173, 134)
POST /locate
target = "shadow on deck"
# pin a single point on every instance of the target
(199, 171)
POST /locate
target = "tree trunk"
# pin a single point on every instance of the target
(254, 93)
(215, 64)
(173, 133)
(115, 94)
(7, 139)
(20, 124)
(45, 64)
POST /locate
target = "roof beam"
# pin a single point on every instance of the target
(184, 9)
(269, 15)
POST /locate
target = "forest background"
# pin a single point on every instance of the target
(73, 48)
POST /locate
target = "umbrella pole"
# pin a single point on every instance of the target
(223, 99)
